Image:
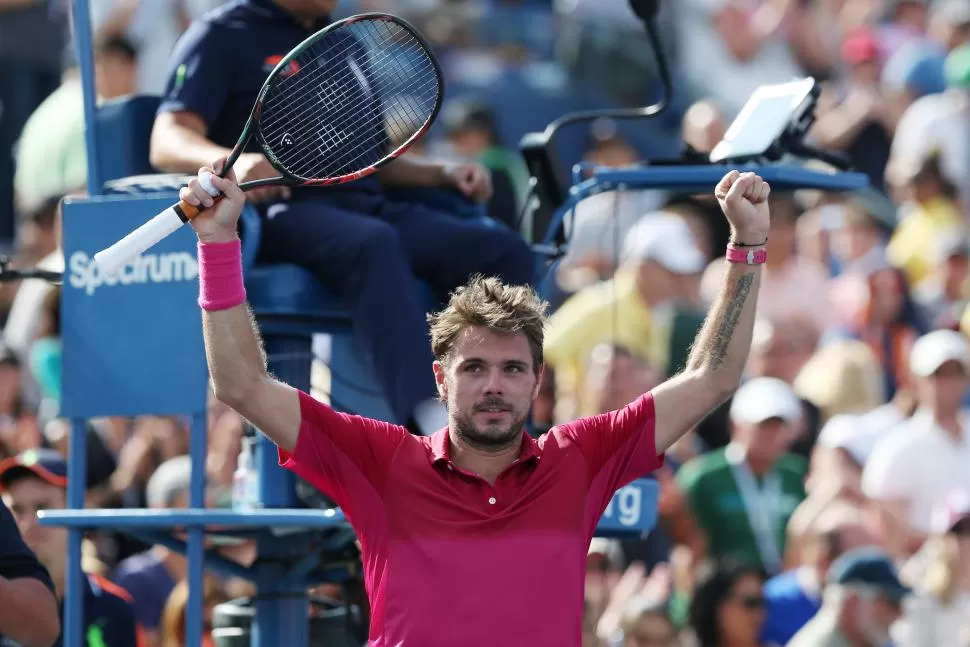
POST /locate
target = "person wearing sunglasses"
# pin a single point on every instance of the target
(863, 599)
(728, 607)
(938, 615)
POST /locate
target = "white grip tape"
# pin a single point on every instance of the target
(205, 179)
(113, 258)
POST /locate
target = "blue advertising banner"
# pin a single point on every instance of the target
(132, 341)
(632, 510)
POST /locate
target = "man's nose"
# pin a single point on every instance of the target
(493, 383)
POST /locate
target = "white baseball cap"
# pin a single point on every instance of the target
(934, 349)
(764, 398)
(667, 239)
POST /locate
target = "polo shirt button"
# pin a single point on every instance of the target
(491, 500)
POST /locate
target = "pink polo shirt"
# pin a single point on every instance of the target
(450, 559)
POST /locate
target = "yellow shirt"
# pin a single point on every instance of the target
(912, 247)
(609, 311)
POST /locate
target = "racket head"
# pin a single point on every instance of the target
(321, 113)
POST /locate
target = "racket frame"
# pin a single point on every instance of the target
(252, 127)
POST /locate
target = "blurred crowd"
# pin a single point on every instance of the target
(828, 503)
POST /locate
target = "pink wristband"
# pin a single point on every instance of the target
(746, 255)
(220, 275)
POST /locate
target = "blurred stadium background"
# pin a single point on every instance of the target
(880, 451)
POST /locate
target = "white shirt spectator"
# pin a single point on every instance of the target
(921, 463)
(928, 622)
(601, 220)
(936, 122)
(709, 66)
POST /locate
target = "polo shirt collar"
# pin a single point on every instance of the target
(441, 449)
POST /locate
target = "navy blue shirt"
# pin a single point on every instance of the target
(221, 62)
(17, 561)
(109, 617)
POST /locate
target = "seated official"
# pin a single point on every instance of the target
(361, 245)
(37, 480)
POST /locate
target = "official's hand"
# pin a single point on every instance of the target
(473, 180)
(217, 222)
(255, 166)
(744, 200)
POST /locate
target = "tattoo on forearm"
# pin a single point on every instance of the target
(729, 320)
(712, 347)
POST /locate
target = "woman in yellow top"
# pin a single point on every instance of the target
(929, 211)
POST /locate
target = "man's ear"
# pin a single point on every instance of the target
(539, 377)
(439, 377)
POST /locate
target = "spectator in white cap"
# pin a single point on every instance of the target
(939, 614)
(641, 307)
(742, 496)
(928, 455)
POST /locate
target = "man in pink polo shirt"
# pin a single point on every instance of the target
(476, 535)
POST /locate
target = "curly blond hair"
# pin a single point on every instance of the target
(488, 303)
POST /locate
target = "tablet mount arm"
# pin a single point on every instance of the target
(832, 158)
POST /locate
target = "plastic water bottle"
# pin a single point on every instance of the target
(242, 479)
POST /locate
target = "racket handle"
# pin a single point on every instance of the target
(113, 258)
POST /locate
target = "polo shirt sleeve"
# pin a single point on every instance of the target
(200, 73)
(345, 456)
(17, 561)
(619, 446)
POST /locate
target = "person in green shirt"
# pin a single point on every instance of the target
(742, 496)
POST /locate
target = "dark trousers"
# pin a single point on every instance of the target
(369, 250)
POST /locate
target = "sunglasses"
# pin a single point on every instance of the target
(751, 602)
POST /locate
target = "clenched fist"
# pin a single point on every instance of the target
(744, 200)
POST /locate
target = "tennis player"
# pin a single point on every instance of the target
(476, 535)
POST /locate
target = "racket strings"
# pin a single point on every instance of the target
(332, 143)
(384, 58)
(336, 146)
(373, 146)
(382, 97)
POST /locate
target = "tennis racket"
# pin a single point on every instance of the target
(344, 102)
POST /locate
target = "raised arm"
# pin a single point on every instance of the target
(237, 363)
(720, 351)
